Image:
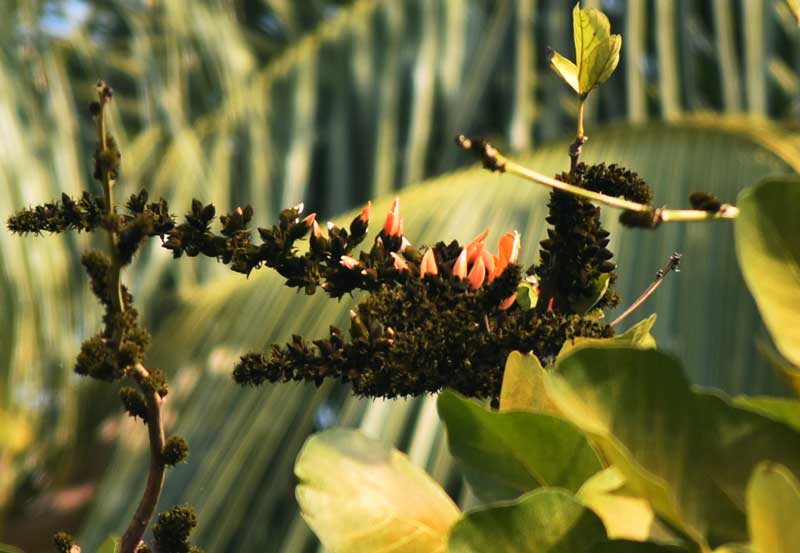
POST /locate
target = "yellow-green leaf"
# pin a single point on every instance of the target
(596, 49)
(523, 385)
(638, 336)
(624, 516)
(768, 248)
(564, 68)
(361, 496)
(773, 509)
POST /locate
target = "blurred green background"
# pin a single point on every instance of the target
(333, 103)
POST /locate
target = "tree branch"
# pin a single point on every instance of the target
(155, 478)
(495, 161)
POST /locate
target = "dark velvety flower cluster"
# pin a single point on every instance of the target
(575, 268)
(172, 529)
(83, 214)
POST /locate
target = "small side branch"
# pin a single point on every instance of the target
(493, 160)
(155, 478)
(672, 265)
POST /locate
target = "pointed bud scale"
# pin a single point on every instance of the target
(348, 262)
(330, 226)
(365, 213)
(428, 264)
(310, 219)
(477, 274)
(299, 207)
(489, 263)
(239, 212)
(404, 243)
(460, 267)
(315, 230)
(399, 262)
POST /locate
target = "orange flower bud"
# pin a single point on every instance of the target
(477, 274)
(399, 262)
(349, 262)
(460, 267)
(365, 213)
(508, 302)
(475, 245)
(508, 249)
(310, 219)
(488, 262)
(393, 226)
(428, 264)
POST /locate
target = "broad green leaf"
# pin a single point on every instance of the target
(361, 496)
(624, 516)
(735, 548)
(638, 336)
(596, 49)
(544, 521)
(768, 249)
(773, 509)
(511, 453)
(565, 69)
(523, 385)
(689, 454)
(6, 548)
(111, 545)
(635, 546)
(780, 409)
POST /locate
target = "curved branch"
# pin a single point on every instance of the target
(155, 478)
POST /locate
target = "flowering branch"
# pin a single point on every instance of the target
(495, 161)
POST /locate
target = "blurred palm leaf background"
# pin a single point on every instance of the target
(274, 102)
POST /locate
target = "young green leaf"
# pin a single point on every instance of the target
(546, 521)
(767, 234)
(638, 336)
(360, 496)
(773, 509)
(596, 51)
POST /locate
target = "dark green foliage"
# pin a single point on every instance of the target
(122, 342)
(171, 530)
(63, 542)
(176, 450)
(84, 214)
(134, 403)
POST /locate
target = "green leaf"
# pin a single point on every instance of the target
(523, 385)
(544, 521)
(688, 453)
(773, 509)
(359, 495)
(787, 372)
(111, 545)
(768, 249)
(596, 49)
(632, 546)
(638, 336)
(508, 454)
(565, 69)
(779, 409)
(527, 296)
(624, 515)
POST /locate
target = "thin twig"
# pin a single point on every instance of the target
(495, 161)
(155, 478)
(672, 265)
